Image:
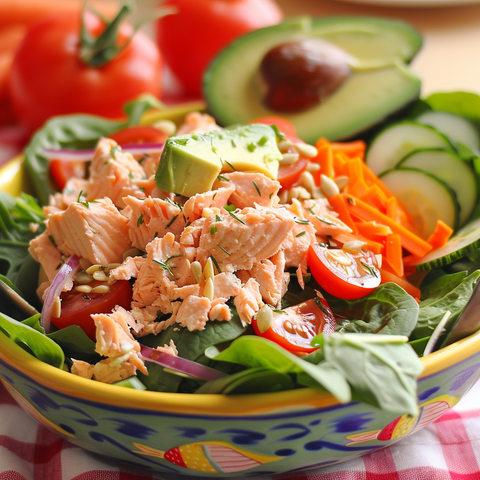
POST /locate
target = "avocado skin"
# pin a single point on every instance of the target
(380, 85)
(191, 163)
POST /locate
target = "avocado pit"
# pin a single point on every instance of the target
(301, 74)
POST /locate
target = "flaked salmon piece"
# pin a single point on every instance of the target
(92, 230)
(128, 269)
(196, 122)
(145, 322)
(113, 337)
(195, 205)
(193, 313)
(46, 254)
(150, 218)
(147, 186)
(191, 235)
(109, 370)
(113, 173)
(220, 310)
(250, 189)
(300, 278)
(269, 274)
(70, 194)
(238, 242)
(149, 162)
(295, 246)
(321, 215)
(226, 285)
(248, 301)
(165, 269)
(170, 349)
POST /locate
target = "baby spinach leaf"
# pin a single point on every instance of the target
(252, 380)
(381, 369)
(74, 132)
(16, 215)
(388, 310)
(257, 352)
(32, 340)
(449, 292)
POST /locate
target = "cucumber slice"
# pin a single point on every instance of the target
(464, 242)
(425, 197)
(455, 127)
(131, 382)
(400, 139)
(451, 169)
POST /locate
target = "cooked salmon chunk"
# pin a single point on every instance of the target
(250, 189)
(238, 242)
(149, 218)
(195, 205)
(113, 173)
(92, 230)
(46, 254)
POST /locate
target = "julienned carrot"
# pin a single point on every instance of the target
(28, 12)
(338, 203)
(397, 214)
(324, 158)
(440, 235)
(377, 248)
(393, 253)
(373, 229)
(375, 197)
(350, 149)
(411, 242)
(388, 276)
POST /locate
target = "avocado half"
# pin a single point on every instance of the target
(380, 84)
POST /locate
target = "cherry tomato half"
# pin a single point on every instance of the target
(296, 326)
(77, 307)
(63, 170)
(343, 274)
(138, 134)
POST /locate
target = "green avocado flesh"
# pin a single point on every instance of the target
(379, 85)
(191, 163)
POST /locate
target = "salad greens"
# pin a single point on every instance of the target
(367, 359)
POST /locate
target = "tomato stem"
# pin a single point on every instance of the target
(97, 52)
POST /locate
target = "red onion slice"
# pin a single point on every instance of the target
(66, 273)
(87, 155)
(180, 364)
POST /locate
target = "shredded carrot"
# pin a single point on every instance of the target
(398, 214)
(375, 197)
(340, 162)
(388, 276)
(373, 229)
(338, 203)
(411, 242)
(375, 247)
(440, 235)
(350, 149)
(324, 158)
(393, 253)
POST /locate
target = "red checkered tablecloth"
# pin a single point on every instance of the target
(448, 449)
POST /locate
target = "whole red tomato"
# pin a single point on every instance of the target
(49, 76)
(191, 37)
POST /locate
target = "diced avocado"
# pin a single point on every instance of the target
(376, 50)
(191, 163)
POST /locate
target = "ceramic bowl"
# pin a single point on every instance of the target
(223, 436)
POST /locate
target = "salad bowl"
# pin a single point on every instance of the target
(213, 435)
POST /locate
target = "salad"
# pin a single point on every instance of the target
(274, 265)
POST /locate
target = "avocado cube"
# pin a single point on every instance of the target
(191, 163)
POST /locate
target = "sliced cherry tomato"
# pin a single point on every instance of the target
(63, 170)
(296, 326)
(138, 134)
(281, 123)
(77, 307)
(344, 274)
(289, 175)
